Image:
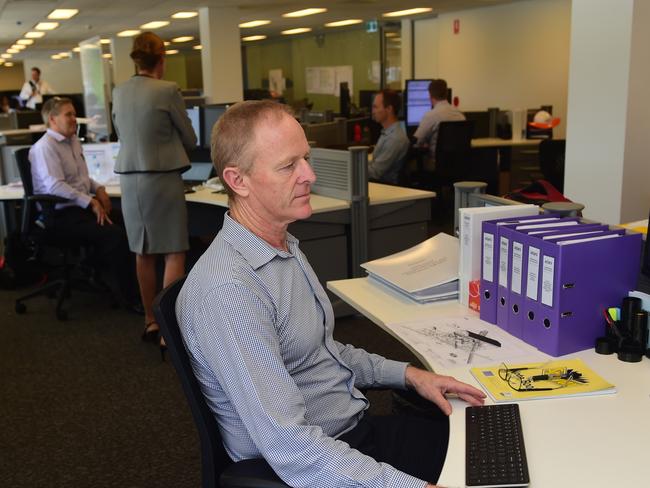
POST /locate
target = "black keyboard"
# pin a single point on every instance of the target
(495, 455)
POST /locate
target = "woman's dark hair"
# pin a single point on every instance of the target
(148, 50)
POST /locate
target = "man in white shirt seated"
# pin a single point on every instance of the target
(426, 134)
(258, 327)
(59, 168)
(34, 89)
(391, 149)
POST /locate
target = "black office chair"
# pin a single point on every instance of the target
(217, 469)
(551, 161)
(35, 234)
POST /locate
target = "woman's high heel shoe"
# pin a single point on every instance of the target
(163, 350)
(150, 335)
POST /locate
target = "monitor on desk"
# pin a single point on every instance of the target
(417, 101)
(100, 159)
(199, 172)
(211, 114)
(194, 113)
(481, 123)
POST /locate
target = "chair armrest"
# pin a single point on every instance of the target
(250, 473)
(45, 198)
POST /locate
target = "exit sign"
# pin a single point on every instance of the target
(371, 26)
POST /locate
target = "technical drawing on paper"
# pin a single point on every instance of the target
(445, 341)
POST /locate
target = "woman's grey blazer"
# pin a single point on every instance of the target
(152, 125)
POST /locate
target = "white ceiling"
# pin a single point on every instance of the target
(107, 17)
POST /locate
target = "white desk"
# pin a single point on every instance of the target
(598, 441)
(496, 142)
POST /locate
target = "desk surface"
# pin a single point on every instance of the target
(496, 142)
(597, 441)
(378, 194)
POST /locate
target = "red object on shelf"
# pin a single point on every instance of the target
(357, 133)
(456, 26)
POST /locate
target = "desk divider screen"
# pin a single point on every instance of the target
(333, 168)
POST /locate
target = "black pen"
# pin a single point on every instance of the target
(483, 338)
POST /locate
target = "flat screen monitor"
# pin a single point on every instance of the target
(194, 113)
(100, 159)
(417, 101)
(77, 101)
(198, 172)
(26, 118)
(211, 114)
(366, 98)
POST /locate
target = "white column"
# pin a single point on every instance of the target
(407, 50)
(123, 67)
(608, 129)
(221, 54)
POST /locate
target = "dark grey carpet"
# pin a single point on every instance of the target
(86, 403)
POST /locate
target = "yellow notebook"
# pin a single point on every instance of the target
(533, 381)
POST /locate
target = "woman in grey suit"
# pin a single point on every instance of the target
(154, 132)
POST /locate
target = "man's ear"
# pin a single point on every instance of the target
(233, 176)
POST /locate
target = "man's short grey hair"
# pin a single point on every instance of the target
(232, 141)
(53, 107)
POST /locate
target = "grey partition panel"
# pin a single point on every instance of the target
(333, 170)
(9, 171)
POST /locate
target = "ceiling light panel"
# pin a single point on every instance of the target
(184, 15)
(171, 51)
(155, 24)
(25, 42)
(254, 23)
(198, 47)
(34, 34)
(411, 11)
(342, 23)
(298, 30)
(183, 39)
(253, 38)
(304, 12)
(128, 33)
(63, 13)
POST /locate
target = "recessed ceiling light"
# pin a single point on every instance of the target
(34, 35)
(104, 41)
(254, 23)
(305, 12)
(341, 23)
(183, 39)
(128, 33)
(20, 47)
(65, 54)
(56, 56)
(410, 11)
(198, 47)
(46, 25)
(184, 15)
(6, 55)
(9, 64)
(166, 43)
(76, 49)
(107, 55)
(62, 13)
(156, 24)
(25, 42)
(171, 51)
(253, 38)
(13, 51)
(298, 30)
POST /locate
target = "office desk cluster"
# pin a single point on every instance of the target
(588, 441)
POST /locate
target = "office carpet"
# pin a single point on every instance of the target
(85, 403)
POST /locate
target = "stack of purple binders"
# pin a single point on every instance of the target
(547, 279)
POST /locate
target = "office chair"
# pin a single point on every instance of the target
(217, 469)
(551, 161)
(34, 233)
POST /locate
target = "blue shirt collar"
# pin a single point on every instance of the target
(255, 250)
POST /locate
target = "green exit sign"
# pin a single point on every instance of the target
(371, 26)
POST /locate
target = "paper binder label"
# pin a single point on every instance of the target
(517, 261)
(533, 273)
(503, 261)
(548, 272)
(488, 252)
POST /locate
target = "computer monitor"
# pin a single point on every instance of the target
(366, 98)
(645, 265)
(77, 101)
(198, 172)
(194, 113)
(211, 114)
(481, 123)
(28, 117)
(417, 101)
(100, 159)
(486, 200)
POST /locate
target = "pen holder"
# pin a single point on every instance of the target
(632, 345)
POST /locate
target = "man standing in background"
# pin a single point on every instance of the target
(34, 89)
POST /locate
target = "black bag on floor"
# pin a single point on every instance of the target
(19, 266)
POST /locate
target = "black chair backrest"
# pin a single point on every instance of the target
(25, 171)
(453, 150)
(551, 161)
(213, 455)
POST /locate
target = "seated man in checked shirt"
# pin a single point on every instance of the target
(258, 328)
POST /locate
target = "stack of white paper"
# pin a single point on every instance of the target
(425, 273)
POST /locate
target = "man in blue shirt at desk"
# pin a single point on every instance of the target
(258, 328)
(392, 147)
